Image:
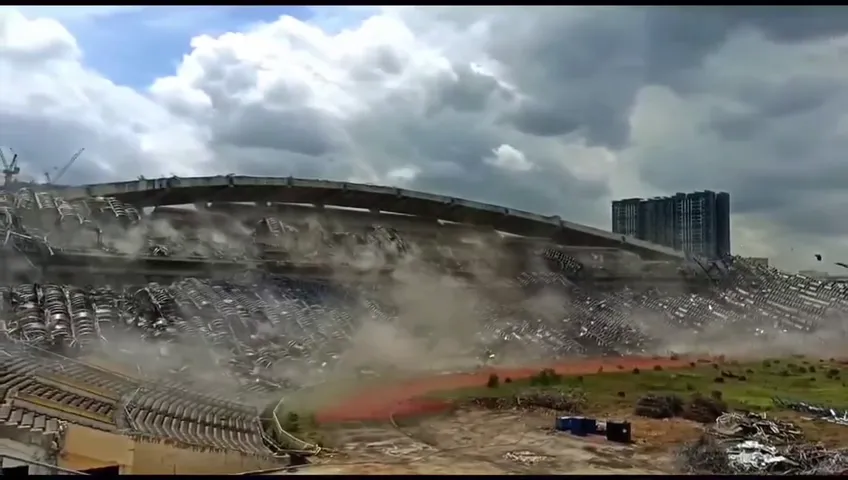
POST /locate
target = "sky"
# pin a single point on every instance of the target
(556, 110)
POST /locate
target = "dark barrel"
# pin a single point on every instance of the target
(619, 432)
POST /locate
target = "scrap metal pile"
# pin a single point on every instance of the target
(750, 443)
(819, 412)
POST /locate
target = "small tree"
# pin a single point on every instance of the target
(493, 381)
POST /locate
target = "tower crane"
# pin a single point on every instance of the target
(64, 169)
(10, 169)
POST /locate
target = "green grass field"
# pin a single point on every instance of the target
(750, 385)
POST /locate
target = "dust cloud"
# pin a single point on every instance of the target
(407, 317)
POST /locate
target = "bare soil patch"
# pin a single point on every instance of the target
(405, 398)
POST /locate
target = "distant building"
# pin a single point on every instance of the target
(626, 218)
(697, 223)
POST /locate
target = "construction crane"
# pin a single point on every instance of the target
(64, 169)
(10, 169)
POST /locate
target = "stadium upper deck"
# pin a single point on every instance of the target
(319, 193)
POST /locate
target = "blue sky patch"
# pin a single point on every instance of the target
(135, 45)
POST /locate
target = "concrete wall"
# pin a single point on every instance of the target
(27, 451)
(159, 458)
(86, 448)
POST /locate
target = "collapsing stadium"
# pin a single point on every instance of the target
(145, 337)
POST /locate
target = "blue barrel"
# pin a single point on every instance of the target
(562, 424)
(578, 427)
(590, 426)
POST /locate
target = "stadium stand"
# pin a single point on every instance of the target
(66, 372)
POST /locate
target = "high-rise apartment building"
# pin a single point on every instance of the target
(697, 223)
(626, 216)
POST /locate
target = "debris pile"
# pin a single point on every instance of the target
(659, 406)
(705, 456)
(698, 409)
(572, 401)
(819, 412)
(751, 443)
(493, 403)
(703, 409)
(565, 401)
(755, 426)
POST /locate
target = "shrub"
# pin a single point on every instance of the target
(636, 371)
(507, 380)
(718, 379)
(545, 377)
(493, 381)
(657, 368)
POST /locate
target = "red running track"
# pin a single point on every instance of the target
(405, 399)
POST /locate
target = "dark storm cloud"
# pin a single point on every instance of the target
(542, 194)
(467, 89)
(579, 71)
(44, 144)
(299, 130)
(584, 69)
(792, 23)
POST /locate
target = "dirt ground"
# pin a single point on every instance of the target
(476, 441)
(404, 398)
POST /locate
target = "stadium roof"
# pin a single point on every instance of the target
(233, 188)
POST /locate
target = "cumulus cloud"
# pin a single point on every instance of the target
(509, 158)
(547, 109)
